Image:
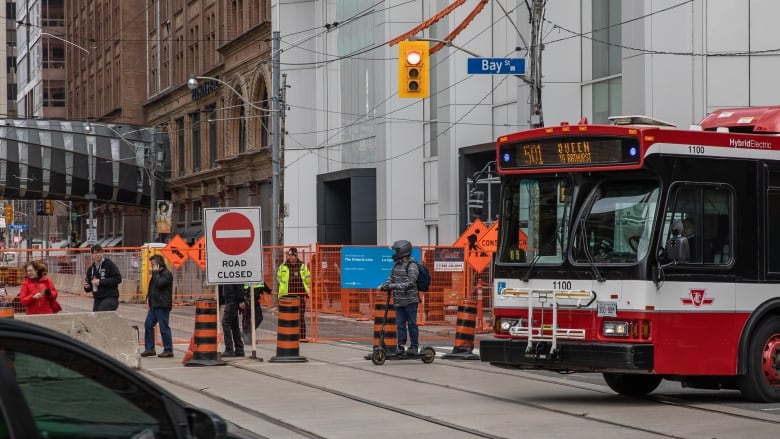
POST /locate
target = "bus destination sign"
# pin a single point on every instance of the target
(563, 152)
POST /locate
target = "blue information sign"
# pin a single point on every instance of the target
(18, 226)
(496, 66)
(367, 267)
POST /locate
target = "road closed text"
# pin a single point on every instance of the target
(234, 269)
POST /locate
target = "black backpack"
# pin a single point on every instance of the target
(423, 279)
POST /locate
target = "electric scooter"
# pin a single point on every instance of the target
(427, 354)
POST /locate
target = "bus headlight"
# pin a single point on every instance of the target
(506, 324)
(615, 329)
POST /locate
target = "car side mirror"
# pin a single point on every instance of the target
(204, 423)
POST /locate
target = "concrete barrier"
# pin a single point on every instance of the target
(105, 331)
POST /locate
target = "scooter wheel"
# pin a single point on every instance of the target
(428, 354)
(378, 357)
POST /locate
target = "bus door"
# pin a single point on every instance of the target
(696, 293)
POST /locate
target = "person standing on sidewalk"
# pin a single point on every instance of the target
(406, 297)
(232, 295)
(103, 279)
(159, 296)
(294, 279)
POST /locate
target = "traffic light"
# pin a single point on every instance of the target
(48, 208)
(39, 207)
(413, 69)
(9, 214)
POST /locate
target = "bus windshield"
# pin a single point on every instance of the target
(535, 218)
(617, 226)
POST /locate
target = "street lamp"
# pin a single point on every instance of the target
(28, 25)
(192, 84)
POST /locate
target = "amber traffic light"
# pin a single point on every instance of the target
(413, 69)
(48, 207)
(9, 214)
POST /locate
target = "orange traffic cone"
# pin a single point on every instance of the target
(188, 355)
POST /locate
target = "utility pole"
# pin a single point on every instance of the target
(277, 126)
(152, 184)
(535, 63)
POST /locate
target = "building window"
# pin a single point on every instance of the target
(180, 145)
(195, 121)
(242, 130)
(265, 118)
(607, 63)
(197, 207)
(54, 94)
(181, 218)
(212, 115)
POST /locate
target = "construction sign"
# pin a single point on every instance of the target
(480, 242)
(198, 252)
(177, 251)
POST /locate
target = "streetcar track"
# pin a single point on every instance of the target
(236, 406)
(660, 399)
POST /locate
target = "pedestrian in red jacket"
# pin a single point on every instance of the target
(37, 292)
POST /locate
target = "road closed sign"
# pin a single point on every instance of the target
(234, 251)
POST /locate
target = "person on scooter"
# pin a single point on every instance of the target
(403, 282)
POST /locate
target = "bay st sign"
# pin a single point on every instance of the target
(496, 66)
(234, 252)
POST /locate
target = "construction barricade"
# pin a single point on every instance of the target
(6, 312)
(464, 331)
(384, 320)
(204, 348)
(288, 332)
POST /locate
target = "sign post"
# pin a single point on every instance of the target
(234, 251)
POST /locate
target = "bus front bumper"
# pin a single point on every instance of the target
(569, 356)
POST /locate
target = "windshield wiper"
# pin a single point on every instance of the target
(556, 237)
(591, 262)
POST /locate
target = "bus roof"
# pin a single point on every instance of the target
(760, 120)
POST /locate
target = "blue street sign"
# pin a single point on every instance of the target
(18, 227)
(497, 66)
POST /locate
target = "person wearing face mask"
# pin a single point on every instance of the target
(102, 280)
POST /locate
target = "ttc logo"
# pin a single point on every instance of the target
(697, 298)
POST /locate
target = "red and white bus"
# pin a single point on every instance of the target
(643, 252)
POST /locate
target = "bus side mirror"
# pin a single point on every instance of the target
(677, 248)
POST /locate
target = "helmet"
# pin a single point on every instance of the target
(402, 249)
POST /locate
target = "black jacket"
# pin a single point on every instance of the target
(109, 276)
(160, 293)
(231, 293)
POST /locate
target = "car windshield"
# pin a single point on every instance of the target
(535, 216)
(618, 226)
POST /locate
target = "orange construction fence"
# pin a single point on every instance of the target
(328, 297)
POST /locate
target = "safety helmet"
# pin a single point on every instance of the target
(402, 249)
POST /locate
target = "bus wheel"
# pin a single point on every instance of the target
(632, 385)
(762, 381)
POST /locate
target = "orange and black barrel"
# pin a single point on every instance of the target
(384, 313)
(205, 342)
(465, 328)
(288, 332)
(6, 312)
